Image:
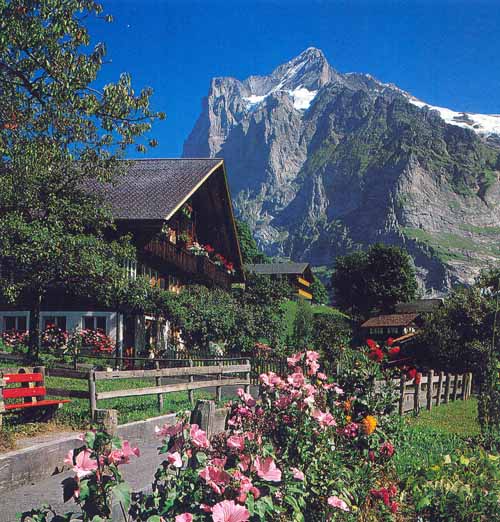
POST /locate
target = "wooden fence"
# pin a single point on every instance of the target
(219, 375)
(433, 389)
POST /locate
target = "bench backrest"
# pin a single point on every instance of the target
(28, 391)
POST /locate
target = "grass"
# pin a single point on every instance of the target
(425, 439)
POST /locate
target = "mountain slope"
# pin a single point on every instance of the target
(323, 163)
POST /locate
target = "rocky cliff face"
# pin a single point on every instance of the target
(322, 163)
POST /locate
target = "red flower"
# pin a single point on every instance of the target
(390, 341)
(412, 372)
(418, 378)
(394, 351)
(371, 344)
(376, 355)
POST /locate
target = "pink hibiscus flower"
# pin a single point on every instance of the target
(122, 455)
(175, 459)
(236, 442)
(216, 478)
(296, 379)
(169, 431)
(83, 465)
(185, 517)
(297, 474)
(294, 359)
(324, 419)
(338, 503)
(198, 437)
(246, 398)
(267, 470)
(229, 511)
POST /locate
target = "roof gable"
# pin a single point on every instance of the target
(154, 189)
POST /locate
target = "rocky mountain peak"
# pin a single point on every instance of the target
(323, 163)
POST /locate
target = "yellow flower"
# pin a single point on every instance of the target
(368, 424)
(348, 418)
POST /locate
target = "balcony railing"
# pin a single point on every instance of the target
(199, 267)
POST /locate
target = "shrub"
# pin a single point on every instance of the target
(463, 487)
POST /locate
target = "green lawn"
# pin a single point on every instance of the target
(425, 439)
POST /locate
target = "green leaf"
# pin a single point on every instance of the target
(201, 458)
(122, 495)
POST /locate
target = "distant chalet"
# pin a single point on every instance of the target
(179, 214)
(299, 275)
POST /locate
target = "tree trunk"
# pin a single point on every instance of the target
(35, 338)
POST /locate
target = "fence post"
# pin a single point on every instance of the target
(218, 389)
(93, 401)
(469, 391)
(3, 384)
(430, 388)
(247, 377)
(447, 388)
(455, 387)
(191, 379)
(440, 388)
(107, 419)
(158, 381)
(416, 397)
(402, 385)
(204, 416)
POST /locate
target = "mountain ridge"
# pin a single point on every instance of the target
(322, 163)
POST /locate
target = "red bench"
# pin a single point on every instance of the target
(32, 392)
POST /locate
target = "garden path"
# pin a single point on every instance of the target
(139, 474)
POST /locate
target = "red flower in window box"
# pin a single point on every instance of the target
(371, 344)
(376, 355)
(393, 352)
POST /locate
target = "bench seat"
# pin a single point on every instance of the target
(21, 405)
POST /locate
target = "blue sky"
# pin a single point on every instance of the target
(446, 53)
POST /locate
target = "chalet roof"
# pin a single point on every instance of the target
(277, 268)
(389, 320)
(154, 189)
(419, 306)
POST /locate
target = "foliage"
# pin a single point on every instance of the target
(463, 487)
(249, 249)
(275, 463)
(319, 291)
(375, 280)
(331, 335)
(303, 325)
(59, 136)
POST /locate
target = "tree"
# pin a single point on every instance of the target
(302, 326)
(59, 137)
(319, 291)
(365, 282)
(332, 335)
(249, 249)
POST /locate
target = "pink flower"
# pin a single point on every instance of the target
(296, 379)
(169, 431)
(175, 459)
(387, 449)
(83, 465)
(297, 474)
(271, 380)
(283, 402)
(321, 376)
(324, 419)
(294, 359)
(246, 398)
(236, 442)
(244, 463)
(216, 478)
(198, 437)
(267, 470)
(185, 517)
(122, 455)
(338, 503)
(313, 368)
(229, 511)
(312, 356)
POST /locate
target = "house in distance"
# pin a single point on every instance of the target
(180, 217)
(299, 275)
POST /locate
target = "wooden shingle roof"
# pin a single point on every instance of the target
(154, 189)
(382, 321)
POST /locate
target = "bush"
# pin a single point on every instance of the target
(463, 487)
(307, 451)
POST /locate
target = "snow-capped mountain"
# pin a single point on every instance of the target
(322, 163)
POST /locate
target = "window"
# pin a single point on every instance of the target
(16, 323)
(57, 320)
(91, 322)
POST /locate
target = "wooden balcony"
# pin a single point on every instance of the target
(196, 267)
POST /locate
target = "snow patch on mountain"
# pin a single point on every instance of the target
(302, 98)
(481, 123)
